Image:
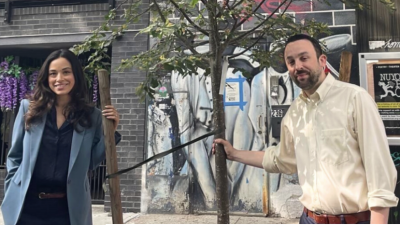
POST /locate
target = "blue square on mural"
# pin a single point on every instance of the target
(233, 95)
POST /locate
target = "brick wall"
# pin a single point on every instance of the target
(339, 18)
(53, 20)
(132, 111)
(64, 22)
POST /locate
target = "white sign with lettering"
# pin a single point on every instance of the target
(384, 44)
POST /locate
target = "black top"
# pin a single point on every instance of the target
(51, 168)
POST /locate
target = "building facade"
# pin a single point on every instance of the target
(182, 182)
(31, 30)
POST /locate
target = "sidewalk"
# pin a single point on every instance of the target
(99, 216)
(102, 218)
(205, 219)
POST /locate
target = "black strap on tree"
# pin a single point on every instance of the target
(160, 155)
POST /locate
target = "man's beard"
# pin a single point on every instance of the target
(310, 81)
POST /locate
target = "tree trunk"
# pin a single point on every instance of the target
(221, 178)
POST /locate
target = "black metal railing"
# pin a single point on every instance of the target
(96, 179)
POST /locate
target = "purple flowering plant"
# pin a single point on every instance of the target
(95, 88)
(10, 74)
(15, 83)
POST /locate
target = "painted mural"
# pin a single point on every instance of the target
(182, 110)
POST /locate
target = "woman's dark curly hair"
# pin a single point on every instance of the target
(41, 101)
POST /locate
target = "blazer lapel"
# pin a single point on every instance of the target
(36, 132)
(77, 139)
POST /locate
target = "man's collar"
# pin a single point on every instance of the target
(321, 92)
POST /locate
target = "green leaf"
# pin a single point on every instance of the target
(154, 83)
(8, 59)
(190, 66)
(193, 3)
(168, 67)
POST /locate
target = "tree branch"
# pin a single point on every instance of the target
(159, 11)
(248, 16)
(187, 45)
(199, 11)
(140, 14)
(213, 22)
(232, 16)
(220, 9)
(120, 4)
(233, 3)
(259, 25)
(247, 48)
(258, 39)
(108, 21)
(236, 4)
(226, 3)
(188, 18)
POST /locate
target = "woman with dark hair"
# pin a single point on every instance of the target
(48, 160)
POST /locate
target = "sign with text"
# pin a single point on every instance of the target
(277, 114)
(387, 95)
(384, 45)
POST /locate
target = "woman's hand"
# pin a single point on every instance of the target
(111, 113)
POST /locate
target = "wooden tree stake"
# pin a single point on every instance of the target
(111, 153)
(345, 66)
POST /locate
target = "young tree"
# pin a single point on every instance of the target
(178, 41)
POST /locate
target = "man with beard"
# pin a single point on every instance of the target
(333, 137)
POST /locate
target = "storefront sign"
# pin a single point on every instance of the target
(384, 45)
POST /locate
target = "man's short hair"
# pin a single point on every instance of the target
(313, 41)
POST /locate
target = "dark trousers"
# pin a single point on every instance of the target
(37, 211)
(304, 219)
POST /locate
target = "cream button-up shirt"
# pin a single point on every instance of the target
(336, 142)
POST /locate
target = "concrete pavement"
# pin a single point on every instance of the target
(102, 218)
(99, 216)
(205, 219)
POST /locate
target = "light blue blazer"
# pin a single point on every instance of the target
(87, 152)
